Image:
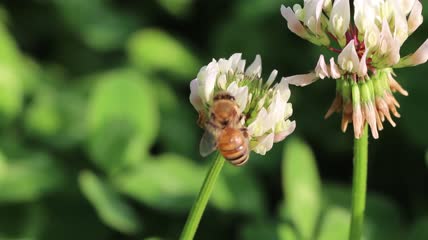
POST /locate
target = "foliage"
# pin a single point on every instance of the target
(99, 141)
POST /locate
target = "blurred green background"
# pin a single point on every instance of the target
(99, 141)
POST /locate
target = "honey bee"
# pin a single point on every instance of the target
(224, 131)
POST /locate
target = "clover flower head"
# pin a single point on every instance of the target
(265, 108)
(368, 51)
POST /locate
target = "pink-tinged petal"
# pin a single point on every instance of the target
(283, 89)
(313, 10)
(348, 58)
(283, 134)
(418, 57)
(255, 68)
(301, 80)
(194, 98)
(293, 23)
(407, 5)
(370, 115)
(334, 69)
(357, 119)
(362, 68)
(415, 18)
(321, 70)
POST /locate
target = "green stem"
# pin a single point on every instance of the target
(359, 185)
(198, 208)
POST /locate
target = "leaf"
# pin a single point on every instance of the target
(246, 192)
(419, 229)
(286, 232)
(26, 179)
(122, 115)
(147, 49)
(262, 229)
(382, 217)
(335, 224)
(101, 26)
(178, 8)
(301, 184)
(110, 207)
(170, 182)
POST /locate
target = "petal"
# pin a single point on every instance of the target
(313, 9)
(194, 97)
(256, 128)
(206, 79)
(362, 68)
(339, 18)
(224, 65)
(234, 60)
(264, 144)
(415, 18)
(321, 70)
(418, 57)
(271, 78)
(334, 69)
(287, 128)
(284, 90)
(255, 68)
(301, 79)
(348, 58)
(293, 23)
(222, 81)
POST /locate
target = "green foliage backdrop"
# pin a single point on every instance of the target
(99, 141)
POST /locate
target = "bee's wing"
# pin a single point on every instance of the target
(208, 144)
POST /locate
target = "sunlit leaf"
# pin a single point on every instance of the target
(155, 50)
(335, 224)
(110, 207)
(286, 232)
(28, 179)
(170, 182)
(122, 114)
(301, 184)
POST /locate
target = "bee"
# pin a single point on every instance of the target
(225, 132)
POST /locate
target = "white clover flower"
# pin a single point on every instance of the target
(369, 51)
(265, 109)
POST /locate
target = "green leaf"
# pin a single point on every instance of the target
(122, 115)
(99, 25)
(11, 93)
(262, 229)
(26, 179)
(179, 8)
(382, 217)
(110, 207)
(171, 182)
(246, 192)
(335, 224)
(286, 232)
(301, 184)
(167, 182)
(147, 49)
(419, 229)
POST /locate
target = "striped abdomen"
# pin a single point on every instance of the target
(233, 145)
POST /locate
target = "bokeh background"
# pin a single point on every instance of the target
(99, 141)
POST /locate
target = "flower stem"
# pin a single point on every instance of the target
(198, 208)
(359, 185)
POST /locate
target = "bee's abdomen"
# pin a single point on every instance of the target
(233, 146)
